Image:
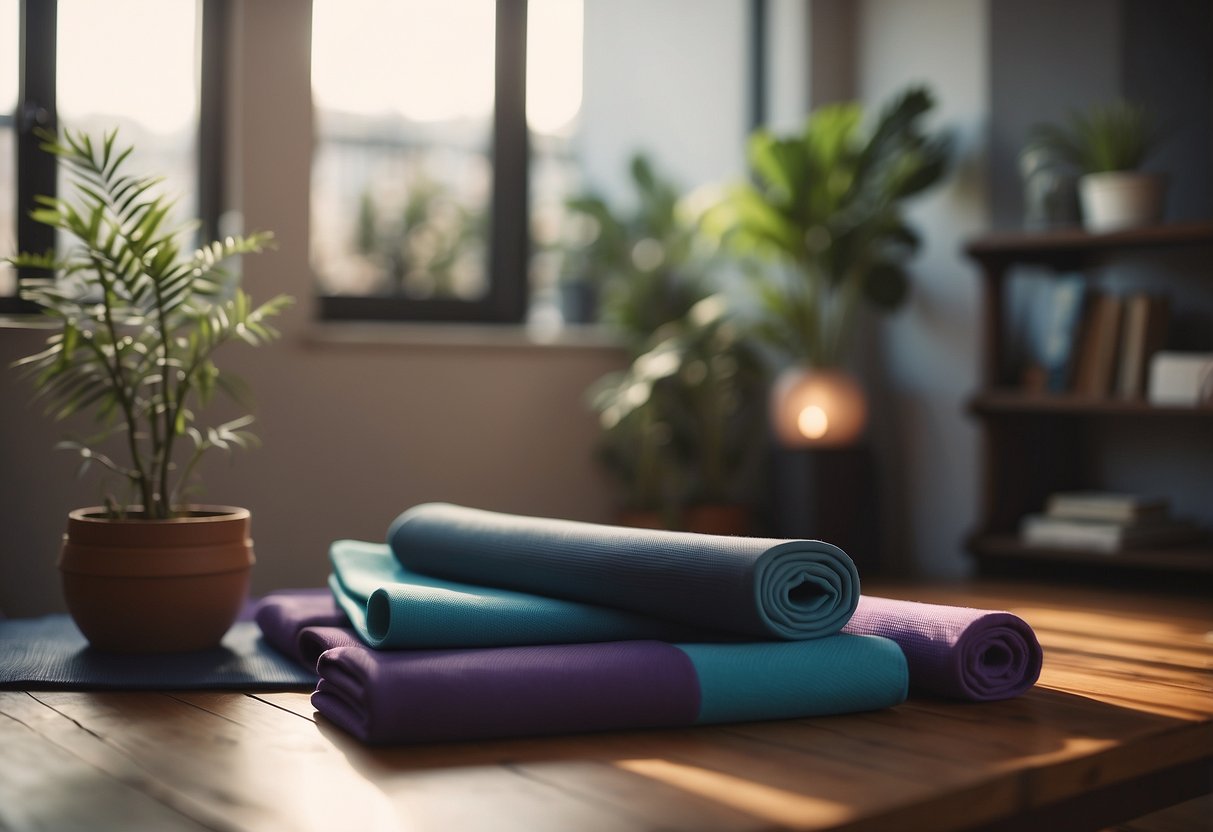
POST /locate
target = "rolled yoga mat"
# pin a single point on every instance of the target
(392, 607)
(413, 696)
(980, 655)
(783, 589)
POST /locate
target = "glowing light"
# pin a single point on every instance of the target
(823, 408)
(813, 422)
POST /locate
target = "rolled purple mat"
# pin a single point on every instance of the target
(959, 652)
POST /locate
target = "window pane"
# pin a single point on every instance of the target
(149, 89)
(402, 176)
(554, 89)
(8, 151)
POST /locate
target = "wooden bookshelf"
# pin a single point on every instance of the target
(1037, 443)
(1190, 558)
(1010, 402)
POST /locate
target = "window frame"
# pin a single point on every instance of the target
(37, 171)
(508, 260)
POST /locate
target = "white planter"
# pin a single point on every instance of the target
(1120, 199)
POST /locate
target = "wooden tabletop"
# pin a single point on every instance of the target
(1121, 723)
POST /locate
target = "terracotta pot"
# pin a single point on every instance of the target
(156, 585)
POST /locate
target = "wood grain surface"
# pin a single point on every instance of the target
(1120, 724)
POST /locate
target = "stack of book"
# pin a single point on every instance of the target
(1105, 522)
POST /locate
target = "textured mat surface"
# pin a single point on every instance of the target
(408, 696)
(394, 607)
(763, 588)
(50, 653)
(959, 652)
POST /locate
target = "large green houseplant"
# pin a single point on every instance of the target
(826, 207)
(138, 321)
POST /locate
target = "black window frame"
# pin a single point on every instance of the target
(508, 260)
(37, 171)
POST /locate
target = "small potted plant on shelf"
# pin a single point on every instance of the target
(1106, 146)
(138, 321)
(826, 207)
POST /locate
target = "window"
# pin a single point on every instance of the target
(73, 71)
(421, 175)
(450, 136)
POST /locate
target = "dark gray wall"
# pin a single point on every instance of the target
(1047, 58)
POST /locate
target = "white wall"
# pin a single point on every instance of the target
(924, 359)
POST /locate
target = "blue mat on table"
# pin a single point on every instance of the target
(49, 653)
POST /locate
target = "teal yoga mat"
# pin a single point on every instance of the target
(757, 587)
(392, 607)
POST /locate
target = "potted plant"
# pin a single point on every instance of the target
(137, 324)
(826, 205)
(641, 266)
(679, 424)
(1107, 146)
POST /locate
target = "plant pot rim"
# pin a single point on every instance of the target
(197, 514)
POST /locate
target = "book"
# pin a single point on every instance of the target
(1146, 318)
(1095, 366)
(1105, 505)
(1105, 536)
(1053, 326)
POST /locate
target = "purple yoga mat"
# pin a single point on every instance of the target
(958, 652)
(283, 615)
(443, 695)
(964, 653)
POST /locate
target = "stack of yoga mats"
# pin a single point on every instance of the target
(472, 624)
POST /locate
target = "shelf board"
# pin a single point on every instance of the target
(1191, 558)
(1006, 402)
(1063, 243)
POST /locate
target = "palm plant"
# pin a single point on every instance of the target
(138, 323)
(826, 203)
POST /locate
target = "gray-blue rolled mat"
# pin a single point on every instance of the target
(783, 589)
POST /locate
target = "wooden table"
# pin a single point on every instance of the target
(1119, 725)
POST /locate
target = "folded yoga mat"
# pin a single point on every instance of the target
(785, 589)
(50, 653)
(393, 607)
(284, 614)
(980, 655)
(385, 697)
(952, 651)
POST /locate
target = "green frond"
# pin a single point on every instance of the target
(134, 345)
